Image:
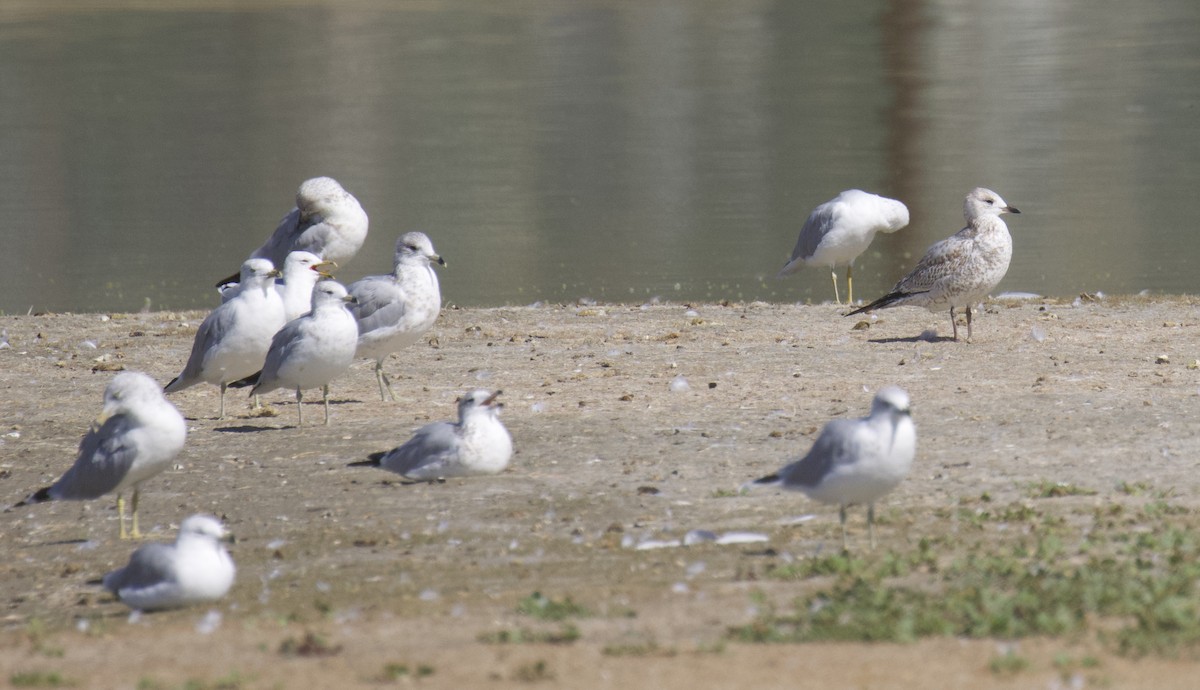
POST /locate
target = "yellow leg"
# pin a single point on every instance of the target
(842, 517)
(299, 407)
(871, 523)
(836, 296)
(850, 283)
(136, 533)
(325, 395)
(121, 516)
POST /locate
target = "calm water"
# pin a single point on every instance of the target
(613, 150)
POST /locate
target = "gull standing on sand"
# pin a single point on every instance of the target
(840, 229)
(312, 350)
(135, 437)
(232, 341)
(394, 311)
(195, 569)
(327, 221)
(856, 461)
(477, 444)
(961, 269)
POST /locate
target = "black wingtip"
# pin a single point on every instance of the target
(373, 460)
(229, 279)
(251, 380)
(40, 496)
(769, 479)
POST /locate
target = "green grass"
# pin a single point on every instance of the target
(565, 634)
(1130, 576)
(537, 606)
(1049, 489)
(39, 679)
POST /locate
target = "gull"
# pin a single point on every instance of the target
(394, 311)
(327, 221)
(232, 341)
(135, 437)
(856, 461)
(477, 444)
(195, 569)
(961, 269)
(312, 350)
(301, 271)
(840, 229)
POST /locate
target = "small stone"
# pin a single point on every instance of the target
(1162, 359)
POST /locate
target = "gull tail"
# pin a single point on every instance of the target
(251, 380)
(883, 302)
(373, 460)
(40, 496)
(769, 480)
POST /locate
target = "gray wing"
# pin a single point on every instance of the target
(942, 259)
(280, 242)
(214, 327)
(150, 564)
(380, 303)
(282, 344)
(430, 448)
(815, 227)
(105, 457)
(838, 444)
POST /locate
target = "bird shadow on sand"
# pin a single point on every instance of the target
(914, 339)
(247, 429)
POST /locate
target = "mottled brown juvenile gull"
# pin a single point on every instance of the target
(193, 570)
(232, 341)
(961, 269)
(327, 221)
(840, 229)
(393, 311)
(856, 461)
(477, 444)
(135, 437)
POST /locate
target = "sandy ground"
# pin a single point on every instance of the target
(609, 453)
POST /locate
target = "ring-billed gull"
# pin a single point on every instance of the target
(312, 350)
(961, 269)
(394, 311)
(135, 437)
(477, 444)
(327, 221)
(840, 229)
(301, 271)
(232, 341)
(193, 570)
(855, 461)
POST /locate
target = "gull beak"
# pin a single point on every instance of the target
(440, 261)
(350, 299)
(491, 400)
(1010, 209)
(275, 273)
(323, 269)
(101, 419)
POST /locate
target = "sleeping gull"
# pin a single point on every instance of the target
(856, 460)
(838, 230)
(477, 444)
(232, 341)
(394, 311)
(193, 570)
(327, 221)
(135, 437)
(312, 350)
(301, 271)
(961, 269)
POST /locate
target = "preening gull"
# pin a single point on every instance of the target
(840, 229)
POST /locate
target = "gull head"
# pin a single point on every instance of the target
(317, 194)
(985, 202)
(300, 261)
(257, 271)
(416, 247)
(892, 400)
(205, 526)
(479, 399)
(331, 292)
